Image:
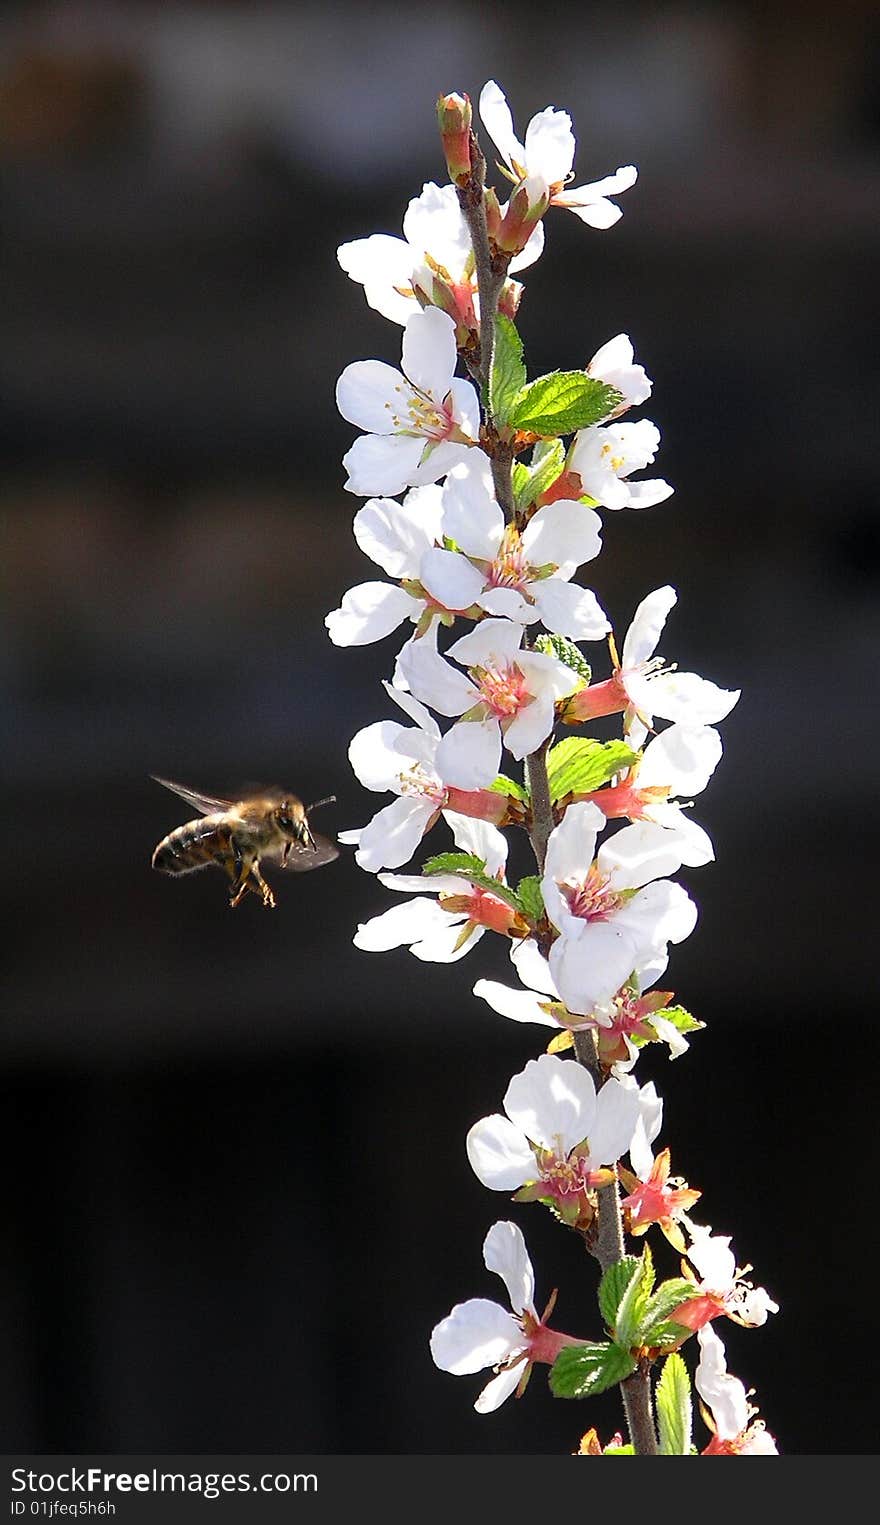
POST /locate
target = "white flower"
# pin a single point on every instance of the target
(652, 689)
(480, 1333)
(615, 364)
(403, 759)
(420, 423)
(396, 536)
(722, 1281)
(614, 911)
(674, 765)
(604, 456)
(737, 1431)
(650, 1121)
(557, 1131)
(545, 160)
(444, 932)
(510, 695)
(433, 227)
(522, 575)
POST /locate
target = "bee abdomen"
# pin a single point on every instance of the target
(192, 846)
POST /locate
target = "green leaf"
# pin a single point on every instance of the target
(528, 893)
(613, 1285)
(581, 1370)
(580, 764)
(564, 650)
(680, 1019)
(634, 1303)
(469, 866)
(562, 402)
(674, 1409)
(529, 482)
(508, 376)
(619, 1451)
(669, 1296)
(509, 786)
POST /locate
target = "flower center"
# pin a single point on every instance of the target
(422, 414)
(591, 898)
(502, 689)
(616, 462)
(510, 569)
(418, 781)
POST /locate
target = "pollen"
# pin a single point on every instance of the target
(591, 898)
(503, 690)
(510, 569)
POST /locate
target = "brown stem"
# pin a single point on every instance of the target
(491, 271)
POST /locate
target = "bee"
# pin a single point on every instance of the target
(238, 834)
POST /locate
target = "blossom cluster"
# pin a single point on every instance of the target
(485, 496)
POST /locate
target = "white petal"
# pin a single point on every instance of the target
(476, 1334)
(681, 696)
(499, 1389)
(694, 844)
(498, 122)
(429, 352)
(591, 968)
(532, 967)
(615, 355)
(508, 604)
(499, 1155)
(532, 251)
(648, 493)
(480, 838)
(471, 516)
(714, 1261)
(433, 224)
(570, 610)
(469, 756)
(437, 460)
(662, 912)
(392, 836)
(517, 1005)
(381, 264)
(617, 1112)
(369, 612)
(640, 853)
(402, 925)
(492, 643)
(505, 1253)
(378, 754)
(370, 394)
(647, 625)
(416, 711)
(570, 851)
(596, 214)
(465, 405)
(450, 579)
(724, 1395)
(397, 535)
(682, 757)
(382, 464)
(550, 145)
(434, 680)
(441, 944)
(553, 1102)
(530, 727)
(565, 533)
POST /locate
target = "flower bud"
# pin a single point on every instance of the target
(525, 208)
(510, 298)
(454, 116)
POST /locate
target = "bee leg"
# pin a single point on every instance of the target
(265, 891)
(240, 874)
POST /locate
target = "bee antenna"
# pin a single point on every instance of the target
(329, 799)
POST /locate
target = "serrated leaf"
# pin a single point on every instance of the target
(668, 1296)
(472, 868)
(454, 863)
(580, 764)
(508, 376)
(530, 482)
(509, 786)
(561, 403)
(634, 1303)
(579, 1371)
(613, 1285)
(674, 1408)
(681, 1019)
(529, 895)
(564, 650)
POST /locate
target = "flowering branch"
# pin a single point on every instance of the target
(489, 539)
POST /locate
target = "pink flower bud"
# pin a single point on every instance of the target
(454, 116)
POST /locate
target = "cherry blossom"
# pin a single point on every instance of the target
(603, 457)
(722, 1284)
(445, 930)
(679, 762)
(738, 1431)
(544, 162)
(480, 1334)
(615, 364)
(558, 1136)
(403, 759)
(614, 910)
(420, 422)
(434, 234)
(508, 696)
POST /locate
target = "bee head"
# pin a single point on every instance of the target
(291, 818)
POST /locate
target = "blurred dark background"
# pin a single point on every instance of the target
(236, 1197)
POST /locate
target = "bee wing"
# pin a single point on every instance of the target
(205, 804)
(301, 857)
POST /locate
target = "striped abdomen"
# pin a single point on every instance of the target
(193, 846)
